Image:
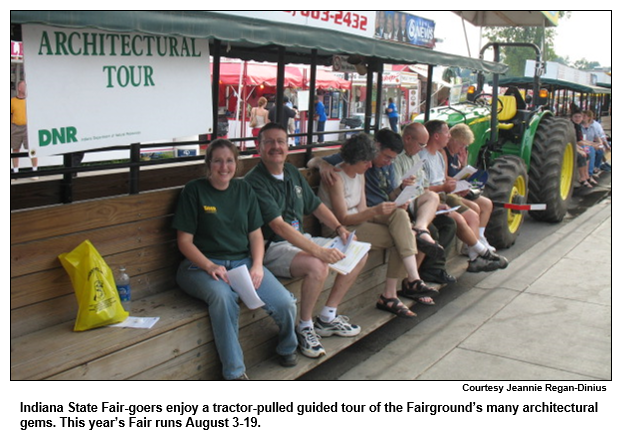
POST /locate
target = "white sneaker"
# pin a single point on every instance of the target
(309, 343)
(339, 326)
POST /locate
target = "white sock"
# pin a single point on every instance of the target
(481, 233)
(16, 170)
(476, 250)
(305, 324)
(328, 314)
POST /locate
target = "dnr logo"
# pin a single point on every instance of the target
(57, 136)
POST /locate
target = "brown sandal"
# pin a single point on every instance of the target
(395, 306)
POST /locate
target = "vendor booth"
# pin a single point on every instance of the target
(248, 81)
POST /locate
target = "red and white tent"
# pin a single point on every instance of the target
(257, 74)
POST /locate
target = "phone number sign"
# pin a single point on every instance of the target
(360, 23)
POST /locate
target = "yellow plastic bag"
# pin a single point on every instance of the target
(93, 284)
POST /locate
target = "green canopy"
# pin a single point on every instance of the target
(548, 83)
(253, 38)
(510, 18)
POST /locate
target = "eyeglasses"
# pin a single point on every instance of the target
(274, 141)
(387, 158)
(423, 145)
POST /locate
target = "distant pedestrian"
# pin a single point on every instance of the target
(19, 128)
(286, 113)
(320, 117)
(393, 115)
(259, 117)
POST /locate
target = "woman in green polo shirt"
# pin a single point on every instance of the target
(218, 226)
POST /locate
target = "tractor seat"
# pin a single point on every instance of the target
(508, 111)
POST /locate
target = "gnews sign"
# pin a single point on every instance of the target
(90, 89)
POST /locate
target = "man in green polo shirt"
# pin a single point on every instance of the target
(285, 198)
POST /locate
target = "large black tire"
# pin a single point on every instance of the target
(552, 168)
(507, 183)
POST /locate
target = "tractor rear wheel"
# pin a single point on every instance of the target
(552, 168)
(507, 184)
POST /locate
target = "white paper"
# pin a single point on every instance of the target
(461, 186)
(408, 194)
(137, 322)
(241, 282)
(338, 243)
(354, 254)
(449, 210)
(414, 169)
(465, 172)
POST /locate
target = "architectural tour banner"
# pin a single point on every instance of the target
(91, 89)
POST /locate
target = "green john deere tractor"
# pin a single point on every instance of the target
(529, 154)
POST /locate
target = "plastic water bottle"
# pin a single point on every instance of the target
(124, 289)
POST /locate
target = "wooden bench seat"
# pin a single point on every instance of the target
(135, 231)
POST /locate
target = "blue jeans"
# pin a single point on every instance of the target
(393, 122)
(321, 125)
(591, 157)
(224, 311)
(598, 159)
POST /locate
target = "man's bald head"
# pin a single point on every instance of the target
(415, 137)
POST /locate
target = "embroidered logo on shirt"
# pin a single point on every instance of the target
(210, 209)
(298, 190)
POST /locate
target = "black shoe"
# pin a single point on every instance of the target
(439, 276)
(487, 262)
(416, 289)
(288, 360)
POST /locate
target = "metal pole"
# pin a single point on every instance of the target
(428, 91)
(134, 168)
(495, 98)
(311, 109)
(215, 87)
(379, 97)
(280, 84)
(368, 97)
(67, 183)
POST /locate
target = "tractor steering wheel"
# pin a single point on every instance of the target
(481, 100)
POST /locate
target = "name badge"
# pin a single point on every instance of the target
(296, 224)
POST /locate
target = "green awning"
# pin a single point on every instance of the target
(246, 35)
(547, 83)
(510, 18)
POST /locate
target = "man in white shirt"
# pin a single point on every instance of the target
(481, 259)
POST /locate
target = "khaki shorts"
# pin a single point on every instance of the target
(279, 255)
(19, 136)
(453, 200)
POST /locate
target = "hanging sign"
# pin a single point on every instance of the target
(90, 89)
(17, 54)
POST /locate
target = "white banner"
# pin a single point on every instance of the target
(89, 89)
(360, 23)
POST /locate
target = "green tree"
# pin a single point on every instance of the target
(515, 57)
(585, 65)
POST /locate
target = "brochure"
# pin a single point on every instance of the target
(449, 210)
(465, 172)
(414, 169)
(354, 253)
(137, 322)
(408, 194)
(461, 186)
(338, 243)
(241, 282)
